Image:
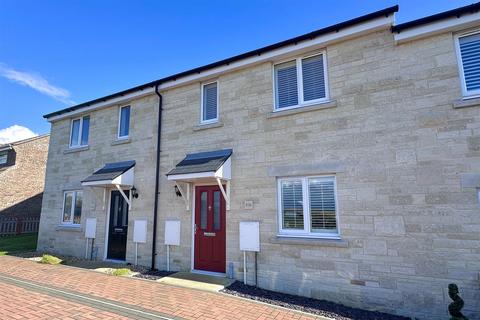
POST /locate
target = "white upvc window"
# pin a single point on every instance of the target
(72, 208)
(124, 122)
(307, 207)
(468, 54)
(300, 82)
(209, 105)
(79, 131)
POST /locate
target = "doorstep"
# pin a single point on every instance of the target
(197, 281)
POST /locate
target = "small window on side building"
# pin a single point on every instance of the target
(72, 208)
(124, 123)
(79, 132)
(209, 110)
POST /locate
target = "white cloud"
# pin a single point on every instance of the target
(36, 82)
(15, 133)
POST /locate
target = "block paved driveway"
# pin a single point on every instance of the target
(29, 290)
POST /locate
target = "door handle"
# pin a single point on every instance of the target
(195, 229)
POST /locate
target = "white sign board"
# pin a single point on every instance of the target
(250, 236)
(140, 231)
(172, 232)
(90, 228)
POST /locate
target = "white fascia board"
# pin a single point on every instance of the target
(99, 183)
(191, 176)
(448, 25)
(293, 49)
(303, 46)
(107, 103)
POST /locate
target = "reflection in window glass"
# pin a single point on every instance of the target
(216, 210)
(203, 210)
(77, 213)
(67, 207)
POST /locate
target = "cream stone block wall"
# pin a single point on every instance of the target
(66, 170)
(397, 148)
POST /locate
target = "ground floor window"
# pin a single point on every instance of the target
(308, 207)
(72, 207)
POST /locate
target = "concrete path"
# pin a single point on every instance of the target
(29, 290)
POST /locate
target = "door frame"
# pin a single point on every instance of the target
(107, 225)
(192, 259)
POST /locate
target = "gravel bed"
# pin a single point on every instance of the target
(314, 306)
(146, 273)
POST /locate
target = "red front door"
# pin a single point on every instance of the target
(210, 249)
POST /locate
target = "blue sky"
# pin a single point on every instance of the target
(57, 53)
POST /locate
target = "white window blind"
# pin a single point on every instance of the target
(286, 84)
(300, 82)
(292, 205)
(308, 206)
(322, 205)
(313, 78)
(470, 52)
(210, 101)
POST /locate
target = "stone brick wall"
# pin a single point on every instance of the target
(393, 140)
(22, 183)
(67, 168)
(408, 227)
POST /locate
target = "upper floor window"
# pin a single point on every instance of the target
(124, 122)
(72, 207)
(79, 132)
(468, 48)
(300, 82)
(209, 111)
(3, 157)
(307, 207)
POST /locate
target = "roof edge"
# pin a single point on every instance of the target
(308, 36)
(457, 12)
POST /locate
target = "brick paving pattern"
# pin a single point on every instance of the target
(18, 303)
(169, 300)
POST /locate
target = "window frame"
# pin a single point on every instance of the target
(306, 232)
(119, 137)
(202, 90)
(465, 93)
(4, 153)
(80, 133)
(298, 64)
(72, 209)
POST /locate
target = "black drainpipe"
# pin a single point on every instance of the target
(155, 206)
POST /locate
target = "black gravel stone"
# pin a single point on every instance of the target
(309, 305)
(151, 274)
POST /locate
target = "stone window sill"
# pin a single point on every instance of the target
(69, 228)
(208, 126)
(314, 107)
(323, 242)
(120, 141)
(465, 103)
(72, 150)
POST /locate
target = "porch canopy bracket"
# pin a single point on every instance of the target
(115, 174)
(204, 167)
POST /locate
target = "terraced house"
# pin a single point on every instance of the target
(356, 147)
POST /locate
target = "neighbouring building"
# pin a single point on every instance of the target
(22, 177)
(356, 147)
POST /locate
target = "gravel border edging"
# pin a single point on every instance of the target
(308, 305)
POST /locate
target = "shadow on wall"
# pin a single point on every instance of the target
(30, 207)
